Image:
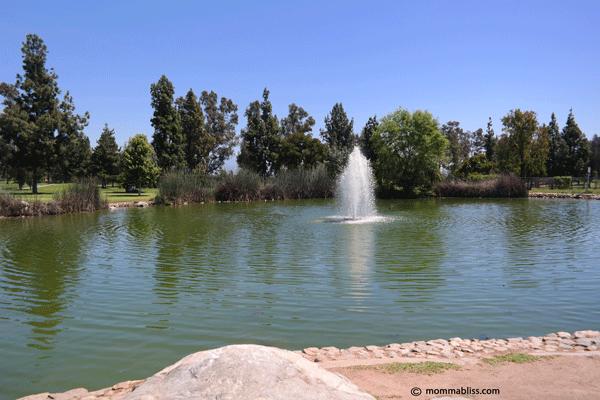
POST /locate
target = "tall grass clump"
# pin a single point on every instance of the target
(502, 186)
(243, 186)
(11, 206)
(81, 195)
(180, 188)
(302, 183)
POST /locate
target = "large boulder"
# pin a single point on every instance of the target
(246, 372)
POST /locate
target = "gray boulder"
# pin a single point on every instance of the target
(246, 372)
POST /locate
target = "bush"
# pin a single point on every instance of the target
(82, 195)
(563, 182)
(304, 183)
(478, 164)
(503, 186)
(180, 188)
(243, 186)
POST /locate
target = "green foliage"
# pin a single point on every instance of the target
(297, 120)
(105, 157)
(578, 151)
(595, 155)
(459, 145)
(523, 149)
(243, 186)
(563, 182)
(409, 151)
(426, 368)
(220, 122)
(168, 133)
(261, 138)
(338, 136)
(503, 186)
(490, 141)
(519, 358)
(180, 188)
(197, 142)
(139, 168)
(304, 183)
(365, 138)
(478, 164)
(82, 195)
(38, 129)
(300, 150)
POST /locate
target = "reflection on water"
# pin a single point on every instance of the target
(92, 299)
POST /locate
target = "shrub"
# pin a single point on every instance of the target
(478, 164)
(503, 186)
(563, 182)
(302, 183)
(82, 195)
(180, 188)
(243, 186)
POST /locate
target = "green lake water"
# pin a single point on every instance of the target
(89, 300)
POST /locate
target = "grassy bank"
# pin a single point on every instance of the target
(500, 187)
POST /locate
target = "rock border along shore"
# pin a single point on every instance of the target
(581, 342)
(584, 196)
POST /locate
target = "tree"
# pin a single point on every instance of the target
(477, 142)
(72, 152)
(220, 122)
(32, 118)
(105, 157)
(524, 147)
(365, 138)
(338, 136)
(459, 145)
(168, 134)
(261, 138)
(197, 142)
(477, 164)
(297, 120)
(595, 156)
(490, 141)
(557, 150)
(410, 151)
(301, 150)
(577, 148)
(139, 168)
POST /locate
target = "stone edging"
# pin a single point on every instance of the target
(580, 342)
(584, 196)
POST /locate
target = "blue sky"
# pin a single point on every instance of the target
(463, 61)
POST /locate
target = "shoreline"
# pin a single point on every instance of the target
(454, 350)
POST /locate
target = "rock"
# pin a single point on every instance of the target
(246, 371)
(372, 348)
(585, 342)
(564, 335)
(39, 396)
(586, 334)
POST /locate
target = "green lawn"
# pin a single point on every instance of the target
(48, 192)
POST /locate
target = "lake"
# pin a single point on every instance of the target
(90, 300)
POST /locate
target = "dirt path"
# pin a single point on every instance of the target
(564, 376)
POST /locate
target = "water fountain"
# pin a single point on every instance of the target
(355, 189)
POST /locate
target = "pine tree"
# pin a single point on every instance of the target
(105, 157)
(577, 147)
(197, 142)
(138, 166)
(557, 153)
(168, 134)
(262, 138)
(365, 138)
(338, 136)
(490, 141)
(33, 121)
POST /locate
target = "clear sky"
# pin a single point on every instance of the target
(463, 61)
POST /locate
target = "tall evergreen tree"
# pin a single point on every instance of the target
(32, 118)
(168, 134)
(105, 157)
(577, 146)
(595, 156)
(365, 138)
(555, 165)
(220, 122)
(261, 138)
(490, 141)
(477, 142)
(338, 136)
(197, 142)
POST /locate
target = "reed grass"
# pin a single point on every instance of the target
(500, 187)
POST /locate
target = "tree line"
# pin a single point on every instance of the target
(41, 137)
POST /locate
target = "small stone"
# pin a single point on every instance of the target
(432, 353)
(319, 359)
(378, 354)
(409, 355)
(592, 348)
(455, 343)
(372, 348)
(564, 335)
(488, 351)
(514, 339)
(535, 340)
(311, 350)
(476, 348)
(565, 346)
(586, 334)
(551, 335)
(551, 348)
(393, 347)
(449, 355)
(416, 350)
(391, 354)
(467, 350)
